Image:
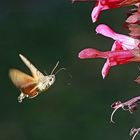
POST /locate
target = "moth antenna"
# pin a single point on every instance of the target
(111, 118)
(60, 70)
(135, 135)
(54, 67)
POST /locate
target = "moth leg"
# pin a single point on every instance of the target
(21, 97)
(33, 96)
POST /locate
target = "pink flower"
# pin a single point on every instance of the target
(122, 42)
(114, 58)
(103, 5)
(107, 4)
(125, 41)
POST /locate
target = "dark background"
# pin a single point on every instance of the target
(76, 108)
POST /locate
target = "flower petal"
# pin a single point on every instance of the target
(105, 69)
(127, 42)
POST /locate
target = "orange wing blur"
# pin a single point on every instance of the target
(20, 79)
(24, 82)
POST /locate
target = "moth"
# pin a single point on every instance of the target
(31, 86)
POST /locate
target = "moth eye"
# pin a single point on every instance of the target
(51, 79)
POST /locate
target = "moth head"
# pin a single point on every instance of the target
(51, 79)
(48, 80)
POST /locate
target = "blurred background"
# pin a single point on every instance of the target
(47, 31)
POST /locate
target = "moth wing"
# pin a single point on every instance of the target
(35, 72)
(20, 79)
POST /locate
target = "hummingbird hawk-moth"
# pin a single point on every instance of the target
(31, 85)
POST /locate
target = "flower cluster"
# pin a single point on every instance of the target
(121, 52)
(121, 42)
(102, 5)
(125, 49)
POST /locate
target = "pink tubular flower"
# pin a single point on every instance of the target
(122, 42)
(107, 4)
(113, 57)
(120, 52)
(125, 41)
(103, 5)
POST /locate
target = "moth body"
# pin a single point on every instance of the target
(45, 82)
(31, 86)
